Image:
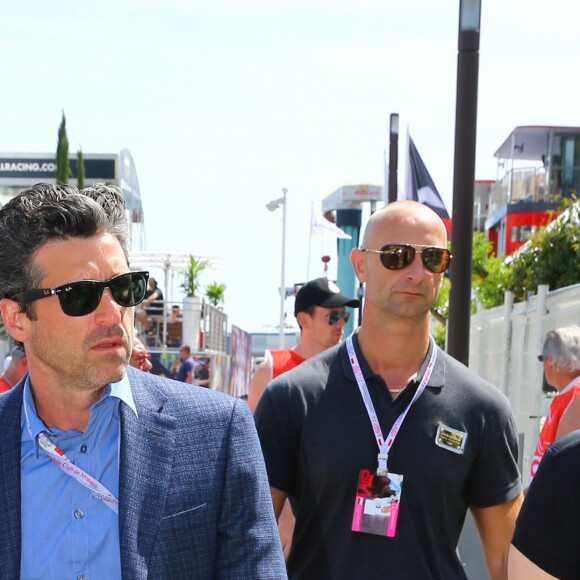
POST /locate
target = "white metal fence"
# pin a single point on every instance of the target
(504, 344)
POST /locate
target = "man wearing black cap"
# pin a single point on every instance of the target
(320, 311)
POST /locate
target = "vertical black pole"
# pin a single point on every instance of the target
(393, 156)
(463, 184)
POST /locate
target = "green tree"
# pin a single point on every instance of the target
(191, 281)
(490, 276)
(80, 169)
(440, 312)
(215, 293)
(62, 164)
(551, 257)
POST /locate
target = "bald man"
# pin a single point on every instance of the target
(383, 443)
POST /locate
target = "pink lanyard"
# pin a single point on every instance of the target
(93, 485)
(385, 446)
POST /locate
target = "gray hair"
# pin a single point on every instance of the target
(563, 346)
(47, 212)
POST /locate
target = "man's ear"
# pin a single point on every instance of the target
(303, 319)
(358, 261)
(13, 319)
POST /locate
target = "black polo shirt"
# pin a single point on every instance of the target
(548, 526)
(316, 437)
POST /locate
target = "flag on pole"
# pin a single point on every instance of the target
(321, 225)
(420, 186)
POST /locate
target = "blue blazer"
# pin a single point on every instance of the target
(194, 499)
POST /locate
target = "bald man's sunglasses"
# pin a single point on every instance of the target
(83, 297)
(399, 256)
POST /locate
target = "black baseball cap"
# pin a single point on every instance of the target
(321, 292)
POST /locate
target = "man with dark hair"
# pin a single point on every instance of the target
(110, 472)
(388, 407)
(16, 369)
(184, 366)
(320, 311)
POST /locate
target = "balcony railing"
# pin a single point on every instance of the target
(169, 333)
(529, 185)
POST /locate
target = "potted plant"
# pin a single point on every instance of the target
(194, 268)
(191, 302)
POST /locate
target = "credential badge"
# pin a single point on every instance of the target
(450, 439)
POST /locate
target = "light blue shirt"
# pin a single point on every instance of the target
(67, 533)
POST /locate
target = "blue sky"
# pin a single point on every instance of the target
(224, 103)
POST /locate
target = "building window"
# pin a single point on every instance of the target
(522, 233)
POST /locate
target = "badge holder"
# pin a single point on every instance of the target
(376, 507)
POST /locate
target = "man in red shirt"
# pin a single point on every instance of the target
(561, 359)
(15, 370)
(321, 315)
(320, 311)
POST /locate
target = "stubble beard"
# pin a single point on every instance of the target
(74, 369)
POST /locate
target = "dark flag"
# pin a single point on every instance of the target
(420, 186)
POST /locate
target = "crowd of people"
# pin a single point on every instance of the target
(371, 448)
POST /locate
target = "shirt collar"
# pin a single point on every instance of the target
(574, 382)
(437, 378)
(34, 425)
(122, 390)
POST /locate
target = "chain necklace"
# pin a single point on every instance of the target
(397, 391)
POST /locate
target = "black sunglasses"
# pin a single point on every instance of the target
(334, 317)
(399, 256)
(83, 297)
(541, 357)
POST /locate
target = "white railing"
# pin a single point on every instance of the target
(504, 344)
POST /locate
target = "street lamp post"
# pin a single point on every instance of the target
(272, 206)
(393, 156)
(463, 179)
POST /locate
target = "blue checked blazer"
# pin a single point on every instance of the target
(194, 500)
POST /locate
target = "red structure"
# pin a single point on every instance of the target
(538, 167)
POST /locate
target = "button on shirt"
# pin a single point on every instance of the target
(68, 533)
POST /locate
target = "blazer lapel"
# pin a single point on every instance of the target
(144, 474)
(10, 503)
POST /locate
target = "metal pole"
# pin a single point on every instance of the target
(463, 180)
(309, 240)
(281, 338)
(393, 156)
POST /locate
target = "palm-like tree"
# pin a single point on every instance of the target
(215, 293)
(191, 282)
